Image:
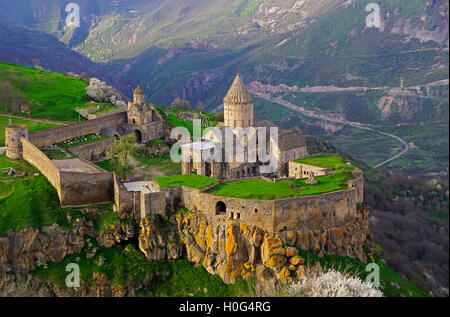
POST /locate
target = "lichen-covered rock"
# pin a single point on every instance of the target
(234, 250)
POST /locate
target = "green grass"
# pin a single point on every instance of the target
(110, 217)
(171, 117)
(190, 180)
(122, 267)
(105, 110)
(163, 164)
(129, 266)
(251, 6)
(187, 280)
(52, 95)
(29, 201)
(326, 161)
(56, 154)
(156, 142)
(32, 126)
(93, 104)
(106, 165)
(262, 190)
(89, 138)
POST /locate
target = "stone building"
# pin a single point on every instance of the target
(142, 119)
(78, 181)
(241, 157)
(238, 106)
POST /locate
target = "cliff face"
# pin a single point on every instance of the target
(21, 251)
(235, 250)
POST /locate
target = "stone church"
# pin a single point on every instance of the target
(142, 119)
(213, 157)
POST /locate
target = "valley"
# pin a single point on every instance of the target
(377, 97)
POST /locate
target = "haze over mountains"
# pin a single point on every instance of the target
(192, 49)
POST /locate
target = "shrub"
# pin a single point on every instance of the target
(332, 284)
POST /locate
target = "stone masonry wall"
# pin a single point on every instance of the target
(127, 203)
(93, 151)
(80, 189)
(35, 157)
(59, 134)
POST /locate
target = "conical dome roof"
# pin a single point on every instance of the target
(138, 91)
(238, 93)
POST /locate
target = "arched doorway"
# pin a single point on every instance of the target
(138, 136)
(221, 208)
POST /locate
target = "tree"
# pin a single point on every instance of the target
(11, 98)
(220, 117)
(200, 106)
(120, 154)
(181, 104)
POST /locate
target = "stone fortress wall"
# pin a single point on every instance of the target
(81, 188)
(74, 188)
(38, 159)
(314, 212)
(59, 134)
(93, 151)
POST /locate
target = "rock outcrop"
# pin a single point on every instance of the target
(234, 250)
(21, 251)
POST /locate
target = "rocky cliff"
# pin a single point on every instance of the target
(235, 250)
(21, 252)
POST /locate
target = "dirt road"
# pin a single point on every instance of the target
(339, 120)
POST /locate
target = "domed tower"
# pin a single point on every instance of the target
(139, 95)
(238, 106)
(13, 135)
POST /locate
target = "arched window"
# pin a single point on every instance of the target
(221, 208)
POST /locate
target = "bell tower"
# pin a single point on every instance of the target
(138, 95)
(238, 106)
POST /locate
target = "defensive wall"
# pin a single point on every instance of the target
(93, 151)
(73, 188)
(59, 134)
(315, 212)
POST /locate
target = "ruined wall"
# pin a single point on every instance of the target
(35, 157)
(59, 134)
(93, 151)
(80, 189)
(300, 170)
(127, 203)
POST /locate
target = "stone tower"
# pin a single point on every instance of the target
(13, 135)
(139, 95)
(238, 106)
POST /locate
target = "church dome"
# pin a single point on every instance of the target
(138, 90)
(238, 93)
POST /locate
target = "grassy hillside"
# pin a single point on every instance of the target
(29, 201)
(49, 95)
(32, 126)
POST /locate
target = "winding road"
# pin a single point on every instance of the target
(337, 119)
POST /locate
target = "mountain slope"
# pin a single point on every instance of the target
(35, 48)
